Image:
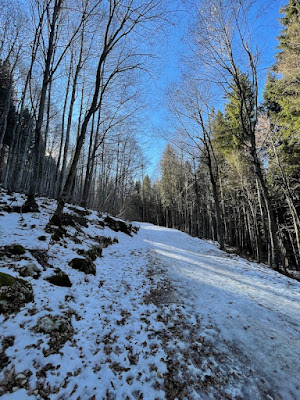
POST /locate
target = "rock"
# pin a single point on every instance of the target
(104, 241)
(53, 324)
(4, 360)
(7, 342)
(21, 376)
(94, 252)
(59, 328)
(117, 225)
(85, 265)
(14, 293)
(30, 205)
(15, 249)
(30, 269)
(80, 212)
(59, 279)
(43, 238)
(67, 219)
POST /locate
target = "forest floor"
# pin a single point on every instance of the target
(166, 316)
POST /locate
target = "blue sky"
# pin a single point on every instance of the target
(156, 121)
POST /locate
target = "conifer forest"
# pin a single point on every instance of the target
(73, 77)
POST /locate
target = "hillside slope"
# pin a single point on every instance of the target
(152, 315)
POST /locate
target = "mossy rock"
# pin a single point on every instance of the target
(60, 279)
(14, 293)
(16, 249)
(6, 279)
(85, 265)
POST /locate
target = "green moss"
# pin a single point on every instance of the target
(16, 249)
(6, 279)
(15, 292)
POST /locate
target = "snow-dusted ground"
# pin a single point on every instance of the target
(167, 316)
(248, 313)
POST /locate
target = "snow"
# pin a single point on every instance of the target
(242, 306)
(167, 316)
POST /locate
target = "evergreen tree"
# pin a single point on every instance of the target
(134, 204)
(282, 93)
(170, 185)
(282, 102)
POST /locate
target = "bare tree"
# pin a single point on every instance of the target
(226, 55)
(123, 18)
(191, 107)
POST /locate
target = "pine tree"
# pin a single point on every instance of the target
(282, 93)
(282, 102)
(170, 185)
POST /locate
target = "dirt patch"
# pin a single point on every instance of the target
(195, 366)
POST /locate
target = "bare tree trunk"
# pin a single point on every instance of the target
(5, 112)
(290, 201)
(275, 254)
(36, 178)
(70, 115)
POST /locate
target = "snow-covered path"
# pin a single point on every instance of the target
(166, 316)
(247, 312)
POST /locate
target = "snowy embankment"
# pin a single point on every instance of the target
(165, 316)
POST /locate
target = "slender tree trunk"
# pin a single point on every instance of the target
(290, 201)
(69, 123)
(215, 190)
(39, 123)
(274, 245)
(5, 112)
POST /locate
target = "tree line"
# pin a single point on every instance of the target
(232, 175)
(69, 93)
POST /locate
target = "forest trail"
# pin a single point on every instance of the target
(239, 321)
(166, 316)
